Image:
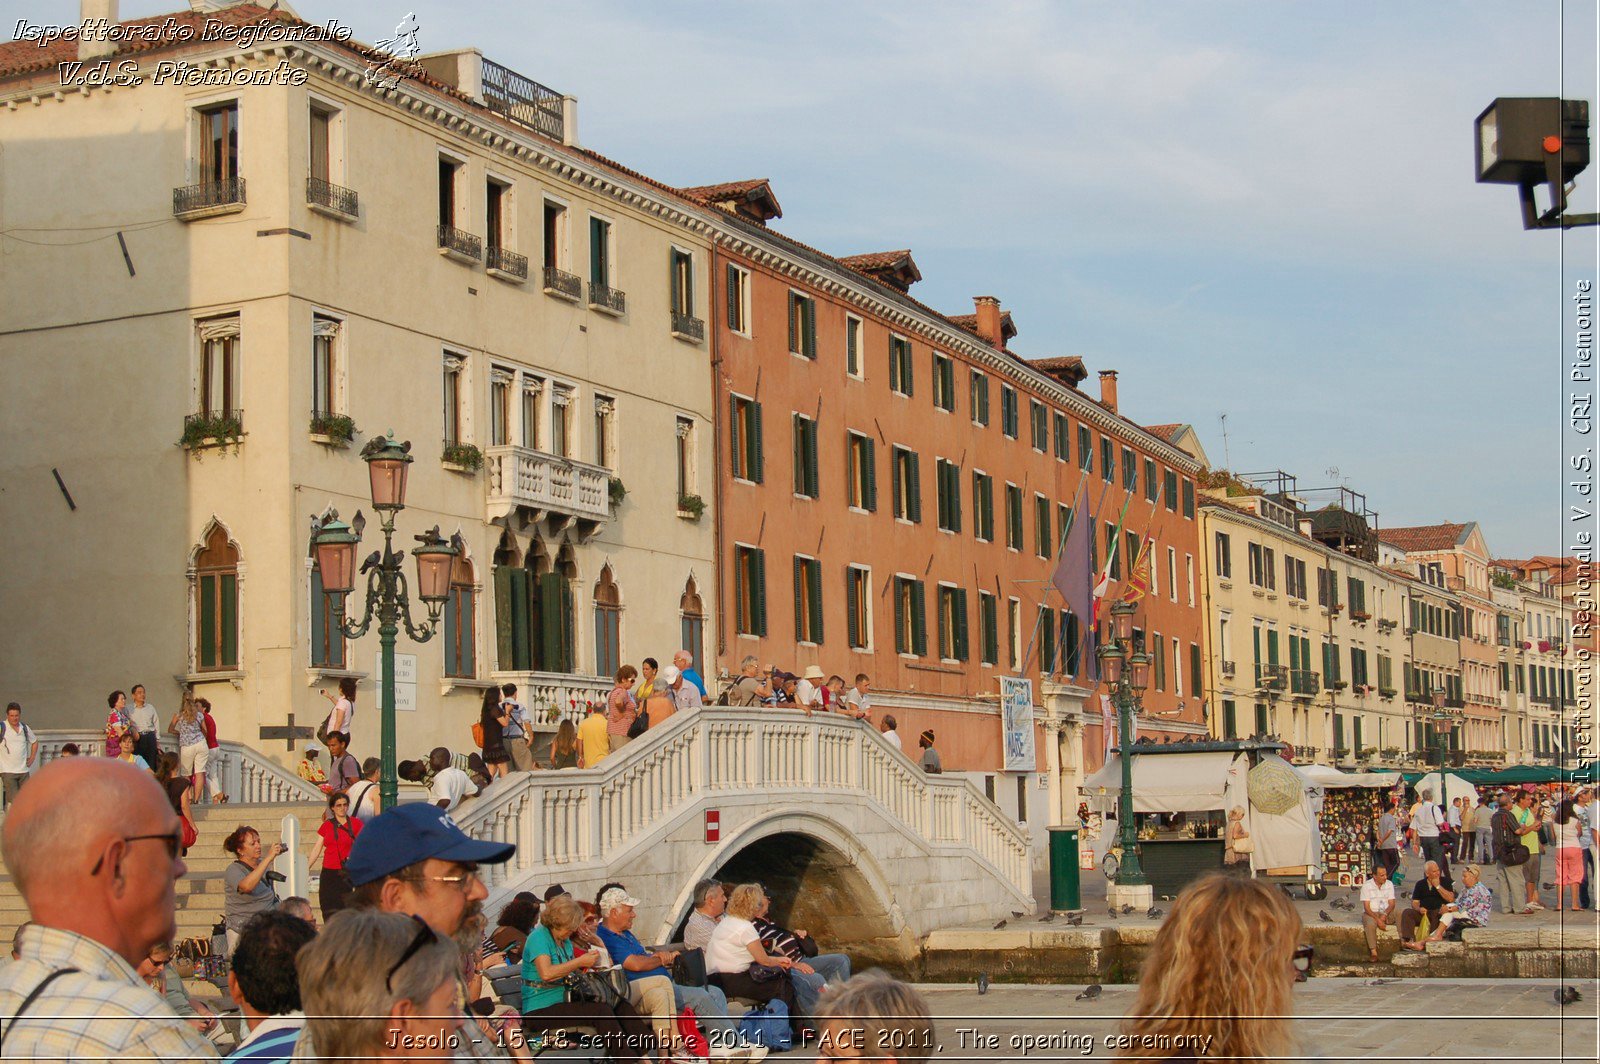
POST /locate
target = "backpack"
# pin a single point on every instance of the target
(768, 1026)
(693, 1040)
(1507, 844)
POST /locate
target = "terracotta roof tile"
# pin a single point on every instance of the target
(725, 190)
(1424, 537)
(876, 260)
(1051, 365)
(1169, 433)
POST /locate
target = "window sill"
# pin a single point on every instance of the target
(319, 673)
(459, 256)
(209, 212)
(233, 676)
(457, 467)
(507, 276)
(334, 213)
(214, 443)
(610, 312)
(1258, 592)
(337, 442)
(688, 338)
(689, 515)
(1226, 585)
(465, 683)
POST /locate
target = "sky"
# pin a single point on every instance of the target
(1261, 210)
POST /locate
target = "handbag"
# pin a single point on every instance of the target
(477, 733)
(768, 1026)
(640, 725)
(322, 729)
(764, 973)
(190, 833)
(690, 968)
(1244, 844)
(608, 986)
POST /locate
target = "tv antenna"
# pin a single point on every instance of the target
(1226, 460)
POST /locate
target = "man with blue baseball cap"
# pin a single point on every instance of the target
(412, 859)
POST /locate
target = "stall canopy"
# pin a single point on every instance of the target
(1170, 783)
(1454, 787)
(1324, 776)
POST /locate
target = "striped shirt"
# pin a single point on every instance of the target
(272, 1042)
(101, 1012)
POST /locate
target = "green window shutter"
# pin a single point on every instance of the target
(894, 481)
(597, 245)
(673, 280)
(810, 306)
(799, 599)
(961, 624)
(955, 500)
(550, 622)
(852, 602)
(319, 626)
(1047, 641)
(869, 462)
(798, 454)
(503, 618)
(919, 619)
(794, 341)
(1230, 721)
(756, 471)
(816, 600)
(467, 634)
(1255, 640)
(813, 468)
(759, 565)
(901, 645)
(1272, 646)
(228, 618)
(733, 295)
(909, 368)
(915, 472)
(735, 436)
(207, 592)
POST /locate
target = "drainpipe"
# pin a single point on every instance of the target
(716, 451)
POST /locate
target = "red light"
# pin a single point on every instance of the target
(1552, 144)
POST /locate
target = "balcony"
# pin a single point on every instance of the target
(207, 199)
(1360, 616)
(1304, 683)
(216, 428)
(507, 265)
(686, 327)
(339, 202)
(459, 245)
(546, 485)
(561, 284)
(607, 300)
(1272, 677)
(523, 100)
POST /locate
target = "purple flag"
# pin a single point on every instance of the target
(1072, 576)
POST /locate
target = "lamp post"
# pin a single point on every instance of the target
(1442, 723)
(387, 598)
(1127, 689)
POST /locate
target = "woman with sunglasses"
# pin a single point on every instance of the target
(548, 958)
(335, 837)
(378, 986)
(1217, 982)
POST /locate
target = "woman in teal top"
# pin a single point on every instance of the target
(548, 958)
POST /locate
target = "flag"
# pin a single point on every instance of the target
(1071, 577)
(1103, 585)
(1139, 575)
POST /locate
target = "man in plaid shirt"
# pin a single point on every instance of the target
(93, 845)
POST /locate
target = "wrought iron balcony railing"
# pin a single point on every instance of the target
(334, 197)
(461, 243)
(604, 297)
(559, 282)
(508, 262)
(523, 100)
(208, 195)
(689, 327)
(211, 426)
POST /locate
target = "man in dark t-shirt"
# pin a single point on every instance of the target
(1429, 896)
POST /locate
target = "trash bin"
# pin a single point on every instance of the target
(1065, 895)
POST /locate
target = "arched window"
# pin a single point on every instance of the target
(693, 616)
(216, 603)
(460, 628)
(607, 625)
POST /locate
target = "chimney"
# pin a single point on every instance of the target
(94, 42)
(988, 308)
(1108, 389)
(569, 121)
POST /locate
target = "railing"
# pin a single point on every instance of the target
(334, 197)
(459, 242)
(209, 427)
(688, 326)
(208, 195)
(1272, 677)
(523, 100)
(1304, 682)
(574, 817)
(607, 298)
(559, 282)
(507, 262)
(242, 773)
(521, 476)
(552, 697)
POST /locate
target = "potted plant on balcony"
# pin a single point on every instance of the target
(691, 507)
(212, 429)
(1340, 752)
(617, 490)
(463, 457)
(1391, 752)
(335, 429)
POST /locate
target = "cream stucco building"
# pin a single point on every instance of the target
(275, 272)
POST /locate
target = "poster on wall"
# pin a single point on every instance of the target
(1016, 720)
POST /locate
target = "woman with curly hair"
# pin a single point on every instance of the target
(1217, 982)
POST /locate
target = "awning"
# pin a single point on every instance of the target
(1325, 776)
(1168, 783)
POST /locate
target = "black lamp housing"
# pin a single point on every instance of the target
(1533, 141)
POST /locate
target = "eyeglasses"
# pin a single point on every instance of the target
(425, 937)
(174, 842)
(1302, 958)
(463, 882)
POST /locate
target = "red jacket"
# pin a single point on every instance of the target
(209, 725)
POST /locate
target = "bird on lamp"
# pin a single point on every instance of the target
(372, 561)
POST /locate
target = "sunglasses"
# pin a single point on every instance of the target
(425, 937)
(174, 843)
(1302, 958)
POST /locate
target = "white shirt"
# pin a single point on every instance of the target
(728, 951)
(1454, 816)
(145, 718)
(1426, 821)
(451, 785)
(1378, 897)
(1567, 834)
(519, 719)
(894, 737)
(344, 715)
(16, 747)
(807, 694)
(856, 698)
(362, 807)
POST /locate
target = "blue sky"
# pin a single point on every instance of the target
(1262, 209)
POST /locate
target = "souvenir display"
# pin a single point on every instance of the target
(1348, 817)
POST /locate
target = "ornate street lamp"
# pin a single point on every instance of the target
(1127, 691)
(387, 599)
(1443, 723)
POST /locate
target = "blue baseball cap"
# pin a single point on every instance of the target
(410, 834)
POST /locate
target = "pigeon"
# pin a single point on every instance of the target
(1017, 915)
(1112, 912)
(1379, 982)
(1089, 992)
(1322, 914)
(1076, 920)
(1286, 891)
(1126, 909)
(1566, 995)
(1155, 914)
(1047, 917)
(1001, 924)
(1548, 886)
(983, 983)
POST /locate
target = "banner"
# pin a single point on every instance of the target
(1016, 722)
(1108, 726)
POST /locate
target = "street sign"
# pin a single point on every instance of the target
(405, 681)
(713, 825)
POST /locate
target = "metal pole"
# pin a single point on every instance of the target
(1130, 873)
(388, 629)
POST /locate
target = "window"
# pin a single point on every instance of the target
(1071, 648)
(692, 614)
(1195, 687)
(805, 456)
(952, 623)
(1257, 561)
(685, 459)
(460, 625)
(1358, 595)
(1294, 578)
(802, 325)
(1022, 799)
(900, 368)
(1013, 517)
(1114, 556)
(1230, 719)
(1063, 523)
(1327, 588)
(498, 214)
(532, 403)
(744, 439)
(910, 632)
(1044, 625)
(807, 600)
(499, 406)
(327, 641)
(863, 472)
(907, 485)
(1152, 486)
(607, 624)
(216, 603)
(451, 172)
(980, 398)
(454, 366)
(561, 421)
(1188, 499)
(1188, 575)
(1063, 437)
(325, 398)
(219, 367)
(1358, 666)
(983, 507)
(605, 433)
(1039, 424)
(989, 627)
(681, 265)
(555, 235)
(1170, 484)
(1008, 411)
(1159, 665)
(750, 590)
(858, 606)
(1043, 544)
(944, 382)
(1014, 634)
(1172, 574)
(1085, 449)
(948, 487)
(1130, 470)
(600, 264)
(218, 143)
(738, 284)
(852, 345)
(324, 146)
(1108, 460)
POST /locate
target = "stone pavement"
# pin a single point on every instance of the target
(1337, 1020)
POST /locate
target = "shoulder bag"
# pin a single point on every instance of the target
(640, 725)
(690, 968)
(607, 986)
(764, 973)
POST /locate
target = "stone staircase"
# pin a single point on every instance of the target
(200, 892)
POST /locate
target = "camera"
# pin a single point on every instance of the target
(275, 877)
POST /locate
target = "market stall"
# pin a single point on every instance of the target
(1351, 805)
